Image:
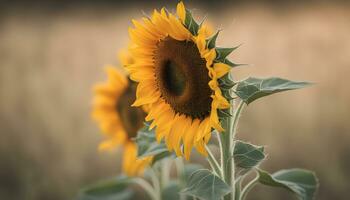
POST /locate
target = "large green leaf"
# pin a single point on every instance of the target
(301, 182)
(247, 155)
(110, 189)
(147, 145)
(171, 191)
(205, 185)
(189, 169)
(253, 88)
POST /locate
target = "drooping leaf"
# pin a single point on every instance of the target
(147, 145)
(253, 88)
(205, 185)
(110, 189)
(247, 155)
(302, 183)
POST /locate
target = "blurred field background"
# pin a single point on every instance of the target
(51, 54)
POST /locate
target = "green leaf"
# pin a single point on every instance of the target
(254, 88)
(190, 23)
(190, 168)
(301, 182)
(211, 42)
(147, 145)
(206, 185)
(171, 191)
(110, 189)
(247, 156)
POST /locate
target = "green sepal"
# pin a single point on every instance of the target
(303, 183)
(190, 23)
(224, 113)
(211, 42)
(226, 82)
(222, 53)
(231, 64)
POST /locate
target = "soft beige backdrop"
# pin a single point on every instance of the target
(50, 60)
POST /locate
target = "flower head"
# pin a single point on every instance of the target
(118, 120)
(177, 73)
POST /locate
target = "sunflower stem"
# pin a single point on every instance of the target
(180, 171)
(248, 187)
(227, 147)
(213, 163)
(165, 172)
(147, 187)
(156, 184)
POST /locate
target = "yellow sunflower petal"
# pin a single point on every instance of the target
(146, 93)
(221, 69)
(206, 30)
(181, 11)
(189, 138)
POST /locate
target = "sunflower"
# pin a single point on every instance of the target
(178, 68)
(118, 120)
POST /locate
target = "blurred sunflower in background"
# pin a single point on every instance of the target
(118, 120)
(177, 71)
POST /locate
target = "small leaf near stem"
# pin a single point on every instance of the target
(206, 185)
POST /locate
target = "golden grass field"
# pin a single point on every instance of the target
(50, 60)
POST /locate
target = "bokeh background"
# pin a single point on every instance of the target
(52, 52)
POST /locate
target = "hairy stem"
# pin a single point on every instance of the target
(248, 187)
(227, 146)
(180, 171)
(156, 184)
(213, 163)
(147, 187)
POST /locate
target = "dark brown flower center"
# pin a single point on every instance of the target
(132, 118)
(182, 77)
